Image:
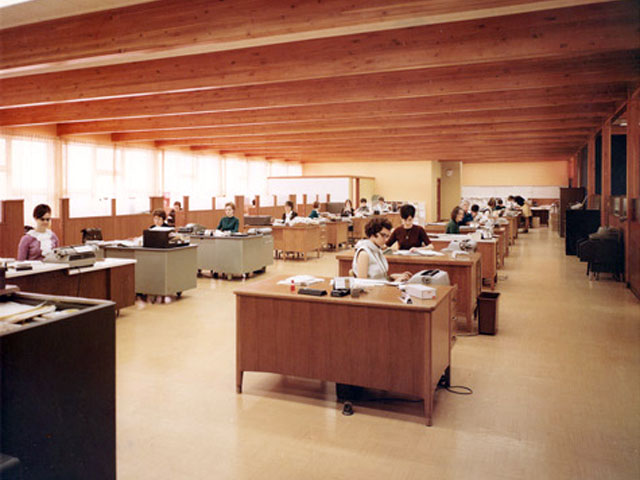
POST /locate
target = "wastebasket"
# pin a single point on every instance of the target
(535, 222)
(488, 313)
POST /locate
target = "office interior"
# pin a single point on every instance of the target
(112, 110)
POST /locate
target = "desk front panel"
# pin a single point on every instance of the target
(161, 271)
(487, 250)
(336, 233)
(390, 348)
(234, 256)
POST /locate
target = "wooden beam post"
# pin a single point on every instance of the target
(605, 189)
(239, 201)
(591, 166)
(64, 217)
(633, 188)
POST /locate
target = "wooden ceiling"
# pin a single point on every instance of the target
(330, 80)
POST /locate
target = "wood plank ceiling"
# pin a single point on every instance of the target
(330, 80)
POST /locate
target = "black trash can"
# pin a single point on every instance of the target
(488, 313)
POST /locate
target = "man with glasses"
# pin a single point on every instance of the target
(40, 241)
(369, 261)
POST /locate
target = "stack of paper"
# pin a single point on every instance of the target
(300, 280)
(13, 312)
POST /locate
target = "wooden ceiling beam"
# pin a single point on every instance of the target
(385, 109)
(141, 31)
(342, 127)
(515, 76)
(557, 34)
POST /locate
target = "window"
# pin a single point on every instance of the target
(235, 176)
(89, 179)
(136, 179)
(30, 173)
(257, 173)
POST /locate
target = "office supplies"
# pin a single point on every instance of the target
(340, 292)
(420, 291)
(430, 277)
(91, 234)
(195, 228)
(312, 291)
(162, 237)
(75, 256)
(300, 280)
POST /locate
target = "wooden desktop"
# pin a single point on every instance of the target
(110, 279)
(374, 341)
(465, 271)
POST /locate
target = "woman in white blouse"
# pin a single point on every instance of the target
(369, 261)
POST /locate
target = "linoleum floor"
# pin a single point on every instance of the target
(556, 392)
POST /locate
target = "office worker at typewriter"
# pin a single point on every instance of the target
(369, 261)
(159, 218)
(229, 223)
(39, 241)
(288, 214)
(408, 235)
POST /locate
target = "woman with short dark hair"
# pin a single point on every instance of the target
(408, 235)
(369, 261)
(314, 213)
(39, 241)
(289, 214)
(454, 224)
(159, 218)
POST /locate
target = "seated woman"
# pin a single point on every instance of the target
(229, 223)
(369, 261)
(159, 218)
(347, 210)
(288, 214)
(456, 217)
(171, 218)
(39, 241)
(314, 213)
(408, 235)
(363, 209)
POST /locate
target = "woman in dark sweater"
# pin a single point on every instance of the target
(456, 217)
(408, 235)
(229, 223)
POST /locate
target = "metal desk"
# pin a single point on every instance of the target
(161, 271)
(234, 255)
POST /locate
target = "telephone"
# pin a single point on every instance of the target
(430, 277)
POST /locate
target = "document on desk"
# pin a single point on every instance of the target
(430, 253)
(300, 280)
(14, 312)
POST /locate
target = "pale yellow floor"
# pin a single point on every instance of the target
(556, 393)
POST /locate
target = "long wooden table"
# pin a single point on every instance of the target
(109, 279)
(441, 227)
(488, 249)
(298, 239)
(374, 341)
(465, 271)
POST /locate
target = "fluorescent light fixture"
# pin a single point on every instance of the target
(8, 3)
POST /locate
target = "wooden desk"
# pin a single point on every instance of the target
(299, 239)
(358, 227)
(465, 272)
(394, 218)
(503, 239)
(109, 279)
(541, 212)
(488, 249)
(441, 227)
(374, 341)
(335, 234)
(161, 271)
(234, 255)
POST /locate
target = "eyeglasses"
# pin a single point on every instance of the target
(45, 219)
(384, 235)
